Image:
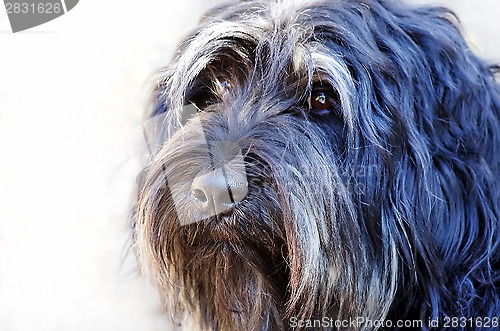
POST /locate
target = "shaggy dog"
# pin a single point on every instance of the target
(324, 164)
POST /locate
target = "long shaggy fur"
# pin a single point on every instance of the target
(386, 208)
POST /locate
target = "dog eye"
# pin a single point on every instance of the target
(323, 100)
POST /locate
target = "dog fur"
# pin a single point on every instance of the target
(384, 206)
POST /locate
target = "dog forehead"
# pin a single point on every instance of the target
(271, 10)
(292, 28)
(284, 33)
(269, 42)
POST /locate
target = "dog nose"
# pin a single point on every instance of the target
(219, 191)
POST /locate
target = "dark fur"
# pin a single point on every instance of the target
(387, 208)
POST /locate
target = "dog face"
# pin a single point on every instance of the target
(323, 159)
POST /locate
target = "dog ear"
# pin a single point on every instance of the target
(436, 105)
(426, 120)
(456, 101)
(460, 131)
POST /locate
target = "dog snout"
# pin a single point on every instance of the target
(218, 191)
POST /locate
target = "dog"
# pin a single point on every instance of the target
(324, 164)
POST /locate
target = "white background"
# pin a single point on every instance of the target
(71, 93)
